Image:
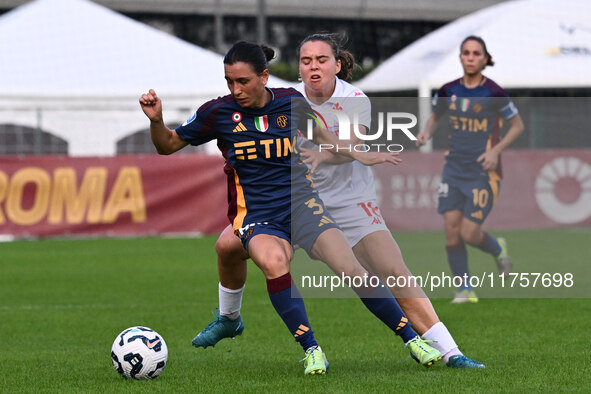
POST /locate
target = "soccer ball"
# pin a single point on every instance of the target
(139, 353)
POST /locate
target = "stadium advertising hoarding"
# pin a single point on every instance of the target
(117, 196)
(540, 189)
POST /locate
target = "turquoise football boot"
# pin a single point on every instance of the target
(222, 327)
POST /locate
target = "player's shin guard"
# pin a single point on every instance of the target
(489, 244)
(384, 306)
(289, 304)
(457, 257)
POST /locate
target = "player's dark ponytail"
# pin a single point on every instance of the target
(268, 51)
(479, 40)
(257, 56)
(336, 42)
(347, 65)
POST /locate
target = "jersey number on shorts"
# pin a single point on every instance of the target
(372, 211)
(480, 197)
(312, 204)
(319, 210)
(443, 190)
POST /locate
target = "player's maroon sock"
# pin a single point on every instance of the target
(489, 244)
(289, 304)
(457, 257)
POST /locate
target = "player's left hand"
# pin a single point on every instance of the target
(489, 160)
(373, 158)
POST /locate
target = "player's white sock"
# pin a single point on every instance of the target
(230, 301)
(444, 342)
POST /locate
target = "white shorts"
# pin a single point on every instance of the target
(359, 220)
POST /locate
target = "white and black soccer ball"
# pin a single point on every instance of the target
(139, 353)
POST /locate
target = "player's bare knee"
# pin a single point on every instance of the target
(470, 236)
(453, 235)
(274, 263)
(228, 248)
(354, 270)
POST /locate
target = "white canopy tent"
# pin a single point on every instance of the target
(76, 69)
(535, 44)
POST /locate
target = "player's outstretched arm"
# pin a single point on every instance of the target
(329, 142)
(427, 133)
(165, 140)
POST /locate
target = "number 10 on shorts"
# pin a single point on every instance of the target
(480, 197)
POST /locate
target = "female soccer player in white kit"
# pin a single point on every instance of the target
(348, 191)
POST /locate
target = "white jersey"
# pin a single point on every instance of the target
(348, 184)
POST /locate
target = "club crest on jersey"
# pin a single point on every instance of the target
(192, 118)
(236, 117)
(261, 123)
(282, 121)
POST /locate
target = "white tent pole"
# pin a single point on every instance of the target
(219, 26)
(424, 112)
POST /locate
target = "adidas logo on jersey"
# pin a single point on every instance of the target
(240, 127)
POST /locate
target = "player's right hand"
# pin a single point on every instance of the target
(151, 105)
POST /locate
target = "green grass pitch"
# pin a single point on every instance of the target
(62, 302)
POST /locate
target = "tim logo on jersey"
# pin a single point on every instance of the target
(461, 119)
(268, 148)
